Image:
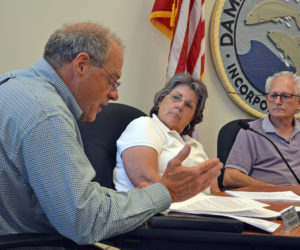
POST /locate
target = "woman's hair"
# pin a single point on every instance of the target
(197, 86)
(295, 77)
(66, 43)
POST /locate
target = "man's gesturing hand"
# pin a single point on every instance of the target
(185, 182)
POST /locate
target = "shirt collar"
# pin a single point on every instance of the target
(185, 138)
(43, 69)
(269, 128)
(165, 128)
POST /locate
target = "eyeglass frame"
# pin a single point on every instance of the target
(290, 97)
(116, 83)
(186, 103)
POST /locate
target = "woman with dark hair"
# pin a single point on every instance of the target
(148, 143)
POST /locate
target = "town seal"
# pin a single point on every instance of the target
(251, 40)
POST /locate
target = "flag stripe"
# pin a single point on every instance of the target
(195, 16)
(178, 46)
(194, 52)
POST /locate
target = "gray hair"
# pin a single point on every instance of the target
(294, 76)
(197, 86)
(66, 43)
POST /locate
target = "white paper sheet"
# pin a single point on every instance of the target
(288, 196)
(217, 204)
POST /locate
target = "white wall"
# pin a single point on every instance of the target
(25, 26)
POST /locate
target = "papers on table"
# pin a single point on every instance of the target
(243, 209)
(288, 196)
(220, 204)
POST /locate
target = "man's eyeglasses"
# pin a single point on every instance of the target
(284, 97)
(113, 83)
(177, 97)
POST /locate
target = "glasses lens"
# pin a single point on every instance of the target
(113, 84)
(116, 84)
(286, 97)
(272, 97)
(176, 98)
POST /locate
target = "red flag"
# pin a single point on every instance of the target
(183, 22)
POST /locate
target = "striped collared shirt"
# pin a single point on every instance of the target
(45, 177)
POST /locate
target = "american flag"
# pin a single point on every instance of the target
(183, 22)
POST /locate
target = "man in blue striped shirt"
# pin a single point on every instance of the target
(45, 177)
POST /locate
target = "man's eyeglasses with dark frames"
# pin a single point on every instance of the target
(284, 97)
(114, 84)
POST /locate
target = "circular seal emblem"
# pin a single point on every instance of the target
(250, 41)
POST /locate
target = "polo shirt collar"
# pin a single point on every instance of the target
(184, 138)
(269, 128)
(164, 127)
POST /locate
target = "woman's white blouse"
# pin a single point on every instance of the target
(151, 132)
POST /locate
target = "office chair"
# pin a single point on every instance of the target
(100, 137)
(226, 138)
